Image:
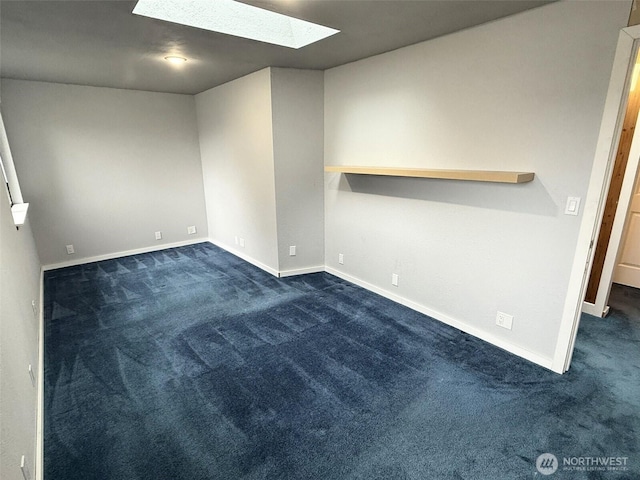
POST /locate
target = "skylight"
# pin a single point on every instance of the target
(235, 18)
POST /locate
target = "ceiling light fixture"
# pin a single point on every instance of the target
(237, 19)
(175, 59)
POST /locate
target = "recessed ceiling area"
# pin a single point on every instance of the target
(238, 19)
(102, 43)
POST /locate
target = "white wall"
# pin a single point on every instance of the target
(524, 93)
(19, 286)
(297, 98)
(236, 145)
(104, 168)
(19, 339)
(261, 142)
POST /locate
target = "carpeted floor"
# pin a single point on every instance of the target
(192, 364)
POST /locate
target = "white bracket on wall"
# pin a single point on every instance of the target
(19, 213)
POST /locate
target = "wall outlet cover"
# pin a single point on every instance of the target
(504, 320)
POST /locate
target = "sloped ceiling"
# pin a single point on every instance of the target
(101, 43)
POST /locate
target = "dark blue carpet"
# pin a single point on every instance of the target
(192, 364)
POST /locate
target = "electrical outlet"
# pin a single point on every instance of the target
(32, 375)
(70, 250)
(341, 259)
(191, 230)
(292, 251)
(241, 242)
(25, 469)
(504, 320)
(158, 235)
(394, 279)
(235, 239)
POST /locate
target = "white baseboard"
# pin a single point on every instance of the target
(460, 325)
(126, 253)
(155, 248)
(302, 271)
(266, 268)
(246, 258)
(591, 309)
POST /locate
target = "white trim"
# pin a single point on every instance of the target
(126, 253)
(606, 278)
(592, 309)
(628, 51)
(460, 325)
(9, 166)
(246, 258)
(156, 248)
(302, 271)
(39, 470)
(626, 274)
(601, 172)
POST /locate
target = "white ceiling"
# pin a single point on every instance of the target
(101, 43)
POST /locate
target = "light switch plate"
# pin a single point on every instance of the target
(573, 206)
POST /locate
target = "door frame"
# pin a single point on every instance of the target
(614, 250)
(599, 307)
(602, 169)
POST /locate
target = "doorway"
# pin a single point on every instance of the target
(601, 174)
(610, 240)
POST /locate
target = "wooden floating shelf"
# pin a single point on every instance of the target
(469, 175)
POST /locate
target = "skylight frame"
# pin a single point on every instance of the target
(235, 18)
